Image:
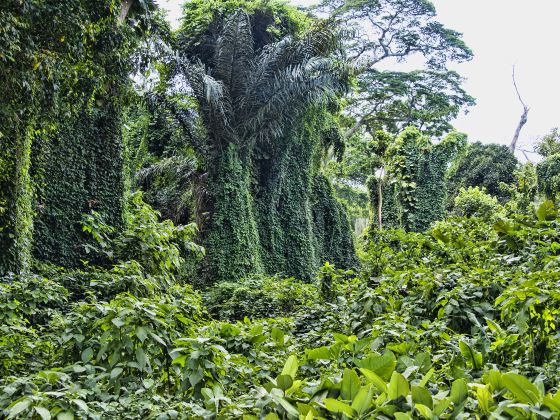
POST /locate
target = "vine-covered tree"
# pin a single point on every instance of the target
(252, 94)
(408, 189)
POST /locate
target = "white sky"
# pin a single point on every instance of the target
(501, 33)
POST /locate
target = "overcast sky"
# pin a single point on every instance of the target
(501, 33)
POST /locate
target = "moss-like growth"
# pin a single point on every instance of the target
(334, 241)
(413, 192)
(16, 211)
(232, 239)
(83, 171)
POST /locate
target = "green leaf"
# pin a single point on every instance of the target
(272, 416)
(81, 405)
(65, 415)
(424, 411)
(350, 384)
(335, 406)
(484, 398)
(547, 211)
(118, 322)
(426, 377)
(362, 400)
(87, 355)
(141, 333)
(421, 395)
(291, 367)
(494, 379)
(44, 413)
(402, 416)
(290, 409)
(116, 372)
(278, 336)
(18, 407)
(284, 382)
(459, 391)
(523, 390)
(441, 406)
(472, 357)
(553, 402)
(141, 358)
(398, 386)
(374, 379)
(321, 353)
(383, 365)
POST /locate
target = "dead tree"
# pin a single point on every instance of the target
(523, 119)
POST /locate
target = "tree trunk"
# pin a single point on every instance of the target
(522, 122)
(125, 8)
(380, 204)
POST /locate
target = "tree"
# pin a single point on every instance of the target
(392, 31)
(79, 166)
(49, 53)
(549, 144)
(486, 166)
(548, 176)
(408, 190)
(250, 96)
(391, 101)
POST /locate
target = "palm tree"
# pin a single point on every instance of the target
(249, 98)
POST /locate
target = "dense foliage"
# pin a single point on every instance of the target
(176, 210)
(487, 166)
(459, 321)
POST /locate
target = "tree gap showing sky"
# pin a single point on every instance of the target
(501, 33)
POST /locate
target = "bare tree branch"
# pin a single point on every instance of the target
(523, 118)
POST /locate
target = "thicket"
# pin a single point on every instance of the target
(138, 164)
(458, 321)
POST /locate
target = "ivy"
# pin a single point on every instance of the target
(412, 191)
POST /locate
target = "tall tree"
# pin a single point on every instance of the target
(389, 32)
(251, 95)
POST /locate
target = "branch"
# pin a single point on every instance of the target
(516, 89)
(522, 119)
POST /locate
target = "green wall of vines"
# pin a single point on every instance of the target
(277, 213)
(83, 170)
(232, 241)
(283, 204)
(333, 234)
(16, 210)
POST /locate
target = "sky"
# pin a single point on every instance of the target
(501, 33)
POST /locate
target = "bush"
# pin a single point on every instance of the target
(258, 297)
(475, 202)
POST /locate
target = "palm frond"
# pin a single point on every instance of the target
(234, 54)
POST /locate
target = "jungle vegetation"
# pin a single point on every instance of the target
(179, 213)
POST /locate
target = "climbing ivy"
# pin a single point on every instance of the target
(412, 189)
(84, 171)
(333, 235)
(232, 241)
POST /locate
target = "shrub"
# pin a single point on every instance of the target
(258, 297)
(475, 202)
